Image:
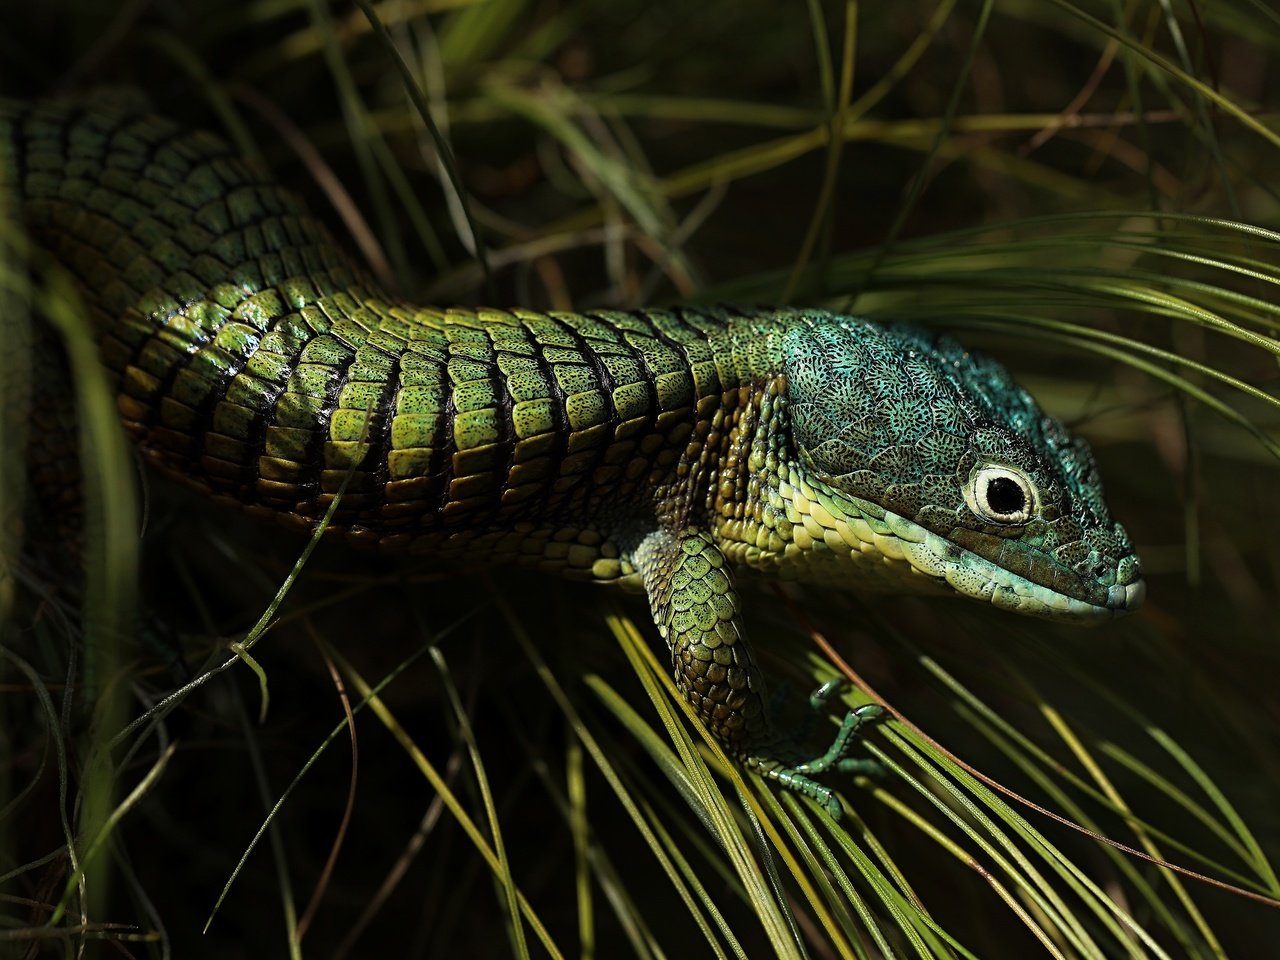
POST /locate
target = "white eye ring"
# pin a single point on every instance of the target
(1001, 495)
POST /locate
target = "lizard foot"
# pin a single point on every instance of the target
(798, 776)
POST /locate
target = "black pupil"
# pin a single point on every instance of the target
(1004, 496)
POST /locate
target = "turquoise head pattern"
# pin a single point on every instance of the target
(956, 469)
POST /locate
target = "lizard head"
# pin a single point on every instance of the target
(928, 459)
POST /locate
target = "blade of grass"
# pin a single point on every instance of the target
(921, 179)
(445, 154)
(342, 725)
(108, 826)
(1095, 771)
(504, 876)
(111, 563)
(838, 105)
(1146, 53)
(713, 805)
(993, 725)
(576, 791)
(900, 772)
(441, 788)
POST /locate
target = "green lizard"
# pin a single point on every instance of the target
(667, 449)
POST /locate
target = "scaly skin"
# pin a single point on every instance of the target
(662, 448)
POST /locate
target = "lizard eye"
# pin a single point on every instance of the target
(1000, 494)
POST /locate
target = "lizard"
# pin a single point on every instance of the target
(672, 450)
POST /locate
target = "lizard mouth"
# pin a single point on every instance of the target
(823, 520)
(978, 578)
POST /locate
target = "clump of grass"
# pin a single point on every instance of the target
(1083, 189)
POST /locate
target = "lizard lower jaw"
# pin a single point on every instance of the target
(974, 576)
(1021, 596)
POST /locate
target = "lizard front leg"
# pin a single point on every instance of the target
(697, 612)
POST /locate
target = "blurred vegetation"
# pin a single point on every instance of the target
(1086, 190)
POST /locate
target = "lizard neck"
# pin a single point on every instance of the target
(769, 511)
